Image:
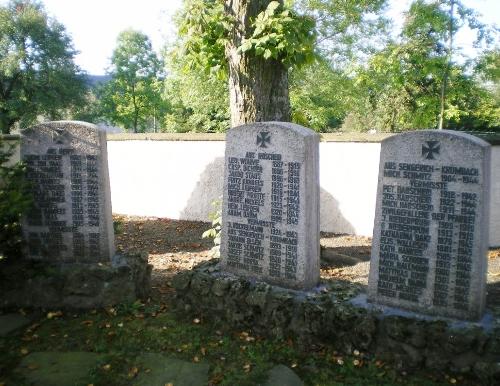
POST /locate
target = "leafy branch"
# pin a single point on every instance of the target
(282, 34)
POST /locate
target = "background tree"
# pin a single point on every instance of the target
(37, 72)
(404, 84)
(197, 101)
(320, 96)
(133, 96)
(252, 44)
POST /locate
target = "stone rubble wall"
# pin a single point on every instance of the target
(327, 316)
(35, 284)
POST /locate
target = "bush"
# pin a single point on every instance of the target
(15, 199)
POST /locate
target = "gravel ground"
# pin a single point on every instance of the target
(176, 245)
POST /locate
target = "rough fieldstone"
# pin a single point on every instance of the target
(11, 323)
(166, 370)
(58, 368)
(281, 375)
(182, 280)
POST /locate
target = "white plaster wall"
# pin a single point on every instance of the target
(174, 179)
(180, 179)
(348, 179)
(495, 197)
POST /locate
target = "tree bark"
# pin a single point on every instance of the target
(446, 71)
(258, 88)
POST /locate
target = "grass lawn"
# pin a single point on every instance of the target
(235, 357)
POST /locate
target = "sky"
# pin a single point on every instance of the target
(94, 25)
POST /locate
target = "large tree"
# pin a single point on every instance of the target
(252, 44)
(37, 72)
(256, 43)
(133, 96)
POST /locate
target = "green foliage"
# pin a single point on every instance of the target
(15, 200)
(37, 72)
(320, 96)
(361, 81)
(203, 31)
(278, 32)
(402, 83)
(198, 101)
(347, 29)
(282, 34)
(133, 96)
(235, 357)
(215, 231)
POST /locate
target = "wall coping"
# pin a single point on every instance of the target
(492, 138)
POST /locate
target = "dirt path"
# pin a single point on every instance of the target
(176, 245)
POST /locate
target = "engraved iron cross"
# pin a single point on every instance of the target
(58, 135)
(263, 138)
(431, 149)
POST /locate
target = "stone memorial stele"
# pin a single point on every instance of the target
(270, 214)
(67, 168)
(430, 238)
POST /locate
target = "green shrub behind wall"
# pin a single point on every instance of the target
(15, 199)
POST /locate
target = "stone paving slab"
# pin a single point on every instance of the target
(281, 375)
(58, 368)
(165, 370)
(10, 323)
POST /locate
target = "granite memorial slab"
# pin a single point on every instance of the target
(430, 238)
(270, 214)
(67, 167)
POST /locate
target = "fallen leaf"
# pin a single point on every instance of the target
(32, 366)
(88, 323)
(196, 359)
(54, 314)
(24, 351)
(133, 372)
(196, 321)
(106, 367)
(247, 367)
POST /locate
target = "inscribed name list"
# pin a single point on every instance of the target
(270, 223)
(430, 235)
(70, 220)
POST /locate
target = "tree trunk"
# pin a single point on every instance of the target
(446, 71)
(258, 88)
